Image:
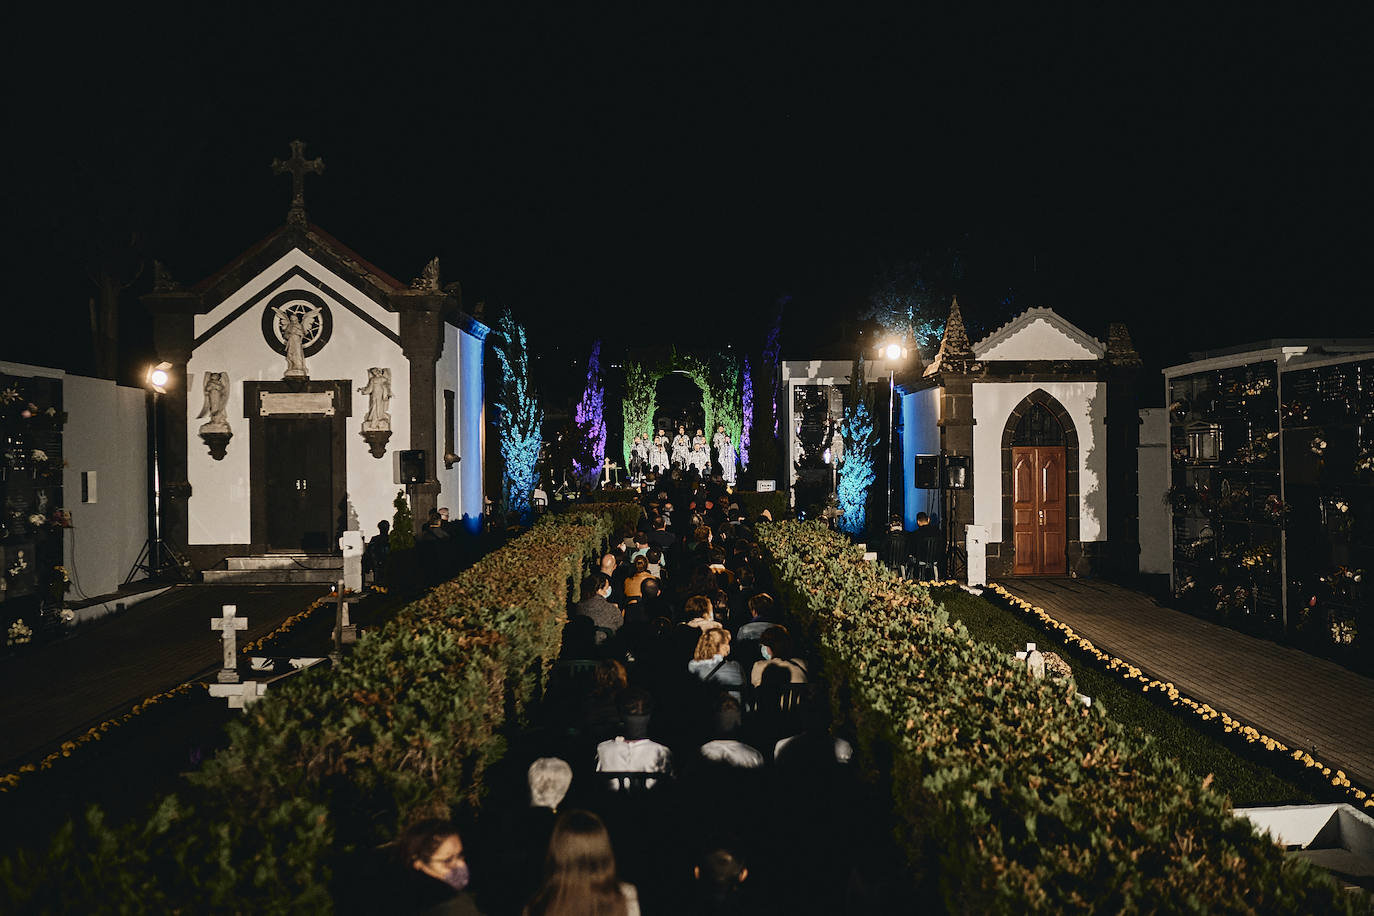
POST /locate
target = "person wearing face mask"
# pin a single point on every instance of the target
(433, 858)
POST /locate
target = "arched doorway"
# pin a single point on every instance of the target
(1039, 488)
(677, 402)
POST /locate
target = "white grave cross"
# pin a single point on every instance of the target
(229, 625)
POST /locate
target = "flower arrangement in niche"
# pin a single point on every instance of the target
(1338, 516)
(1256, 387)
(1364, 461)
(1343, 632)
(1186, 585)
(1275, 509)
(20, 633)
(1238, 599)
(1317, 445)
(1261, 556)
(19, 565)
(1342, 581)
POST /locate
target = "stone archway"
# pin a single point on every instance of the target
(1005, 562)
(720, 403)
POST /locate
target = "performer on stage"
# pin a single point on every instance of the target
(725, 451)
(639, 456)
(681, 444)
(700, 457)
(658, 452)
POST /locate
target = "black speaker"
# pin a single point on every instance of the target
(927, 473)
(413, 465)
(958, 472)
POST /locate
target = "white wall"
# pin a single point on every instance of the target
(1086, 403)
(220, 509)
(1155, 523)
(447, 376)
(106, 432)
(920, 436)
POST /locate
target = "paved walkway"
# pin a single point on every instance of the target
(59, 690)
(1302, 700)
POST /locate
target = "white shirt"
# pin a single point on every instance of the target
(734, 753)
(641, 755)
(844, 751)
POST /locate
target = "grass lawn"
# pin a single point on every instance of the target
(1245, 781)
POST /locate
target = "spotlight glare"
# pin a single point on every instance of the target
(893, 351)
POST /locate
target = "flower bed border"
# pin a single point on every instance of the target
(1230, 725)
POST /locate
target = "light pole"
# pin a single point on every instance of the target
(159, 556)
(893, 351)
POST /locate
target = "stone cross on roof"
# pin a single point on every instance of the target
(298, 167)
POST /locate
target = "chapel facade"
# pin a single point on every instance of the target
(1031, 434)
(309, 386)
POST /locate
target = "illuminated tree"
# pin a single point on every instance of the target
(591, 422)
(747, 415)
(637, 407)
(856, 470)
(521, 417)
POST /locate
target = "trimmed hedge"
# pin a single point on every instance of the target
(1010, 795)
(752, 502)
(621, 515)
(334, 762)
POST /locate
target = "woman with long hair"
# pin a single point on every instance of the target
(579, 872)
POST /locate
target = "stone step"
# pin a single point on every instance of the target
(271, 576)
(287, 561)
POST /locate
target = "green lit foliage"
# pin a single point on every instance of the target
(331, 764)
(638, 405)
(402, 523)
(1010, 795)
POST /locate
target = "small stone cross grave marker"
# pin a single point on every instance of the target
(1035, 662)
(229, 625)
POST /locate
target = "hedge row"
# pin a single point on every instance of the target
(1010, 795)
(333, 763)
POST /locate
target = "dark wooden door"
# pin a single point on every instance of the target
(1039, 511)
(300, 484)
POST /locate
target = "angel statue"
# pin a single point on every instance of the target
(293, 331)
(378, 391)
(216, 398)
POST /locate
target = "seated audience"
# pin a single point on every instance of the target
(776, 649)
(632, 751)
(432, 857)
(595, 603)
(635, 579)
(726, 747)
(579, 872)
(711, 662)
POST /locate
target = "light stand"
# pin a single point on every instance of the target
(156, 558)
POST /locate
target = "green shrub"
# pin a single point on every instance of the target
(753, 502)
(1012, 796)
(623, 516)
(402, 523)
(332, 762)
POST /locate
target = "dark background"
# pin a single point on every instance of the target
(651, 175)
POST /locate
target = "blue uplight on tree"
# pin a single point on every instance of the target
(590, 415)
(856, 471)
(521, 417)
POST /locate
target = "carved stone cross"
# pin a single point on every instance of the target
(229, 625)
(298, 167)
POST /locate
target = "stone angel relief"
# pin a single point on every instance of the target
(378, 391)
(216, 400)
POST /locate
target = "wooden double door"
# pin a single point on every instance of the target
(300, 484)
(1039, 511)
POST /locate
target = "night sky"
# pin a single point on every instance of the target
(658, 175)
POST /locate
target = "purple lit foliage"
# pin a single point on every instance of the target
(590, 416)
(772, 352)
(748, 404)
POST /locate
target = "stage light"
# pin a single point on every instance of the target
(159, 377)
(893, 351)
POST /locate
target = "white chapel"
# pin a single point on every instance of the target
(309, 386)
